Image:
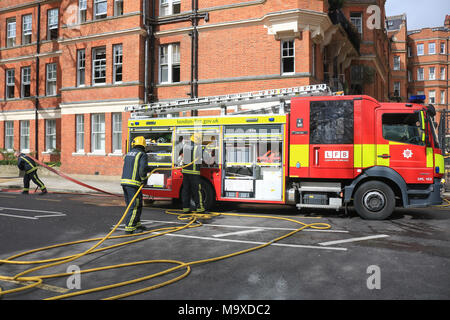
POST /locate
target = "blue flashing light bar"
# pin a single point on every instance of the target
(417, 99)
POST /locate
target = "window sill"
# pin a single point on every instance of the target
(48, 152)
(97, 153)
(78, 153)
(115, 154)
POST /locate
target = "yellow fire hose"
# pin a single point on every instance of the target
(192, 223)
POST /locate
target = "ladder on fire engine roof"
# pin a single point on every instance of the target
(222, 101)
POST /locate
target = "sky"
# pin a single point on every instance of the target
(420, 13)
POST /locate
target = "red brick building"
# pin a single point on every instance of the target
(68, 68)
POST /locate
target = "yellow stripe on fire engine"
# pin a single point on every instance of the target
(364, 155)
(382, 149)
(430, 158)
(224, 120)
(299, 153)
(439, 162)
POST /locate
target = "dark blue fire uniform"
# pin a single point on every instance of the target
(28, 165)
(135, 169)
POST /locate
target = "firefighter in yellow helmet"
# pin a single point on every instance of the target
(135, 169)
(192, 188)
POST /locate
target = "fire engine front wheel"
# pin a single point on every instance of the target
(374, 200)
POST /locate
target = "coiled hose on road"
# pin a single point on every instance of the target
(192, 221)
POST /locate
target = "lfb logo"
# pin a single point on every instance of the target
(336, 155)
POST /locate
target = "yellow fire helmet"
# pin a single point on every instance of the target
(197, 137)
(139, 141)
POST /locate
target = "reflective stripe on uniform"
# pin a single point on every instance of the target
(130, 182)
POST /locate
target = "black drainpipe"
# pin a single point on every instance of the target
(36, 100)
(194, 54)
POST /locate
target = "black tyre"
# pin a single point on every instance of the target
(208, 195)
(374, 200)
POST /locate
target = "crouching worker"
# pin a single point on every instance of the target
(135, 169)
(25, 163)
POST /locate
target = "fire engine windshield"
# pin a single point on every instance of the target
(403, 127)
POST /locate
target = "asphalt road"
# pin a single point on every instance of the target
(406, 257)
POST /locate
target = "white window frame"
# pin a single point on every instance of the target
(397, 92)
(98, 133)
(356, 18)
(442, 48)
(79, 133)
(118, 8)
(410, 76)
(52, 23)
(10, 32)
(117, 132)
(25, 80)
(50, 79)
(27, 28)
(397, 63)
(98, 66)
(81, 67)
(100, 14)
(442, 73)
(431, 48)
(82, 10)
(420, 49)
(10, 76)
(432, 96)
(24, 136)
(50, 135)
(169, 58)
(9, 135)
(409, 52)
(420, 74)
(432, 73)
(169, 7)
(285, 54)
(442, 96)
(117, 63)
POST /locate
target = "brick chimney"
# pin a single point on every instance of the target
(447, 21)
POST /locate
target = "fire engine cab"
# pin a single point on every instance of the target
(306, 147)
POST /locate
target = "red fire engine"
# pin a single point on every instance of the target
(321, 150)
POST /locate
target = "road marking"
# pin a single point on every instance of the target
(237, 232)
(40, 286)
(353, 240)
(256, 242)
(251, 227)
(16, 216)
(30, 210)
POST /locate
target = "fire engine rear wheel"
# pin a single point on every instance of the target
(374, 200)
(208, 195)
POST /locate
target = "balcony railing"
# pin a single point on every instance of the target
(337, 17)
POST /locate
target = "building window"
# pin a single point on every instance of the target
(27, 28)
(442, 96)
(51, 79)
(396, 89)
(442, 51)
(79, 132)
(431, 48)
(9, 135)
(118, 7)
(10, 74)
(52, 22)
(81, 67)
(287, 57)
(442, 73)
(356, 20)
(409, 52)
(82, 8)
(168, 7)
(24, 135)
(11, 32)
(117, 64)
(420, 49)
(432, 96)
(50, 134)
(420, 74)
(169, 63)
(396, 62)
(432, 73)
(100, 9)
(409, 76)
(117, 132)
(99, 65)
(98, 132)
(25, 82)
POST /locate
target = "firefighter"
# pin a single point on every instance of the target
(135, 169)
(192, 188)
(28, 165)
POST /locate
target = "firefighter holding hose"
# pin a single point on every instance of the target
(134, 174)
(25, 163)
